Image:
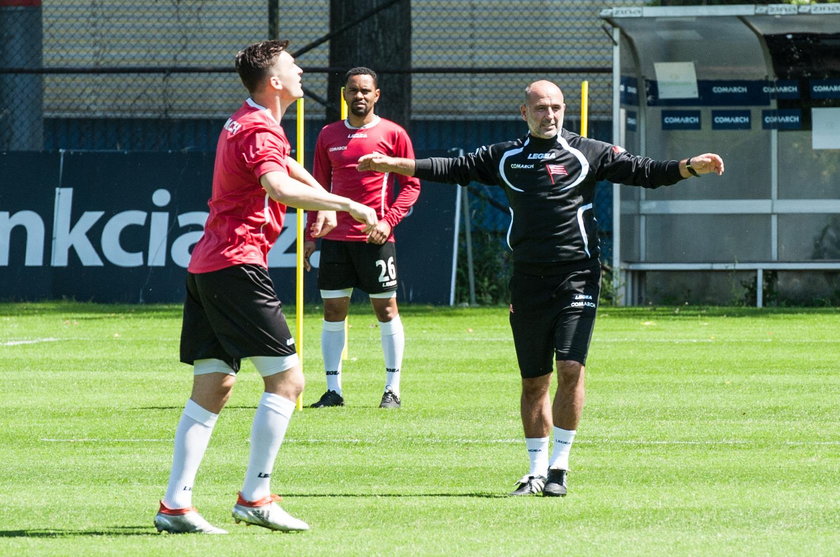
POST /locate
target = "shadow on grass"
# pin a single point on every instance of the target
(398, 495)
(150, 531)
(181, 407)
(88, 310)
(59, 533)
(91, 310)
(371, 406)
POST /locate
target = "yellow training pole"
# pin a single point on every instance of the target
(584, 108)
(345, 353)
(299, 256)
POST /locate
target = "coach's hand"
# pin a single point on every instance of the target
(364, 215)
(376, 162)
(707, 163)
(380, 233)
(308, 250)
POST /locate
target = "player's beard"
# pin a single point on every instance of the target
(361, 111)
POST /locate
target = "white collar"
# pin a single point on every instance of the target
(376, 120)
(252, 103)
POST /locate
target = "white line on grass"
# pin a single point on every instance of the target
(31, 341)
(90, 440)
(338, 441)
(577, 441)
(606, 340)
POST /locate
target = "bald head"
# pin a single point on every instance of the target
(542, 88)
(543, 109)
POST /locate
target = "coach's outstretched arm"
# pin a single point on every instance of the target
(383, 163)
(697, 165)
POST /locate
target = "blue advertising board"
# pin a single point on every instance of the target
(681, 120)
(632, 121)
(785, 89)
(120, 227)
(744, 92)
(716, 93)
(783, 119)
(629, 90)
(731, 119)
(825, 88)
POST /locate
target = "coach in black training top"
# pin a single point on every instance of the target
(549, 179)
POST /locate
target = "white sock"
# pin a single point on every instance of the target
(538, 453)
(333, 338)
(563, 439)
(191, 439)
(267, 433)
(393, 345)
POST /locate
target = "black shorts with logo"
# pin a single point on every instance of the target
(552, 313)
(232, 314)
(369, 267)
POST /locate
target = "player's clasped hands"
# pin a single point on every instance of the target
(380, 233)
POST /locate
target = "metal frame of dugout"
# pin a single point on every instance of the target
(761, 86)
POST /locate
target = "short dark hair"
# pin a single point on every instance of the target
(253, 61)
(361, 70)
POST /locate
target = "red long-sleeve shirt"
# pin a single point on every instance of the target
(337, 152)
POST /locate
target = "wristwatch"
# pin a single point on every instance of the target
(690, 168)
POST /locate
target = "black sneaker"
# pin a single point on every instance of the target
(555, 485)
(529, 485)
(330, 398)
(389, 400)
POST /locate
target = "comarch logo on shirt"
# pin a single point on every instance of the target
(680, 119)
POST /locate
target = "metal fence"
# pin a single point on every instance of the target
(159, 75)
(123, 59)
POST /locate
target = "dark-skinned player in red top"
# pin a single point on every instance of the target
(350, 257)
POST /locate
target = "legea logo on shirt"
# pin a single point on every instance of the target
(355, 135)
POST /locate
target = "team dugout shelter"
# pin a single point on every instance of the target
(760, 85)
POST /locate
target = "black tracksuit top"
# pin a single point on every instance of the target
(550, 187)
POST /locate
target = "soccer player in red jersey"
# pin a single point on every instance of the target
(231, 310)
(350, 256)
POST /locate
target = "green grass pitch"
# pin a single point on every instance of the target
(706, 432)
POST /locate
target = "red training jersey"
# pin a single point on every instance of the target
(244, 221)
(337, 152)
